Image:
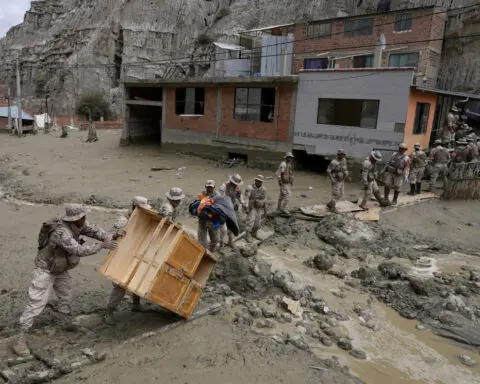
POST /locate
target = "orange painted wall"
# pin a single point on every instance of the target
(417, 96)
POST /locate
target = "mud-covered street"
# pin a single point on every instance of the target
(396, 301)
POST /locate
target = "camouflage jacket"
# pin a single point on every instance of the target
(64, 248)
(167, 210)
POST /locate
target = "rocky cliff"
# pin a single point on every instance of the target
(68, 47)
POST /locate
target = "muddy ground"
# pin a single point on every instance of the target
(345, 330)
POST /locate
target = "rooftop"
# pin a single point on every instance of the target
(14, 113)
(213, 81)
(379, 69)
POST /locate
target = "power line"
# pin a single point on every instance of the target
(98, 66)
(165, 61)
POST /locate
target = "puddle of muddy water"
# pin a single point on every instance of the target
(398, 353)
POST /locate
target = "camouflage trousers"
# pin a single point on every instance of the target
(41, 287)
(117, 295)
(225, 232)
(438, 170)
(338, 189)
(204, 231)
(254, 219)
(393, 180)
(284, 197)
(416, 175)
(368, 190)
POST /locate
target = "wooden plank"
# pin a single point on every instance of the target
(372, 214)
(321, 210)
(140, 275)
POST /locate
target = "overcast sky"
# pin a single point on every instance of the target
(11, 13)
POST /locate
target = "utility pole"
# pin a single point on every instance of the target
(19, 100)
(9, 107)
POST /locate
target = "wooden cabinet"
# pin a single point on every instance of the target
(158, 261)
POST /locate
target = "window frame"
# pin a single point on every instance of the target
(323, 59)
(359, 125)
(261, 105)
(313, 31)
(371, 56)
(403, 54)
(198, 101)
(356, 30)
(401, 19)
(419, 120)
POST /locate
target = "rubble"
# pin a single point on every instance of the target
(467, 360)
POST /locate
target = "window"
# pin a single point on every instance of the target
(348, 112)
(403, 60)
(189, 101)
(255, 104)
(403, 22)
(319, 31)
(365, 61)
(422, 114)
(358, 27)
(315, 63)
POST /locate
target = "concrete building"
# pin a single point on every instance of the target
(402, 38)
(253, 117)
(360, 110)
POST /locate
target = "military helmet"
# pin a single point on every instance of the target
(376, 155)
(454, 108)
(260, 178)
(403, 146)
(341, 152)
(288, 154)
(438, 142)
(210, 183)
(417, 145)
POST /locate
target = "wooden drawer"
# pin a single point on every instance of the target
(169, 288)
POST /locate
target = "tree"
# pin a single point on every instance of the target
(93, 106)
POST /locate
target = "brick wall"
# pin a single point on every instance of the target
(277, 130)
(67, 120)
(205, 123)
(105, 125)
(425, 25)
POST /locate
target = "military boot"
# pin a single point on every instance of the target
(255, 234)
(20, 347)
(412, 190)
(419, 188)
(248, 237)
(380, 199)
(395, 197)
(363, 205)
(332, 206)
(108, 317)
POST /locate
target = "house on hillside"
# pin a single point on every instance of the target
(401, 38)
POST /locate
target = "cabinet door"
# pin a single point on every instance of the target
(190, 300)
(169, 288)
(186, 255)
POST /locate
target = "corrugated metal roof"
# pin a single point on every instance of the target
(14, 113)
(230, 47)
(448, 93)
(268, 28)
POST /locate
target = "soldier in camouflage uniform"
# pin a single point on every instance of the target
(285, 181)
(440, 158)
(396, 173)
(418, 161)
(255, 202)
(169, 209)
(460, 155)
(338, 172)
(472, 148)
(369, 179)
(58, 252)
(118, 292)
(232, 190)
(450, 127)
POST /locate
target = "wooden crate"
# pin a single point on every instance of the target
(158, 261)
